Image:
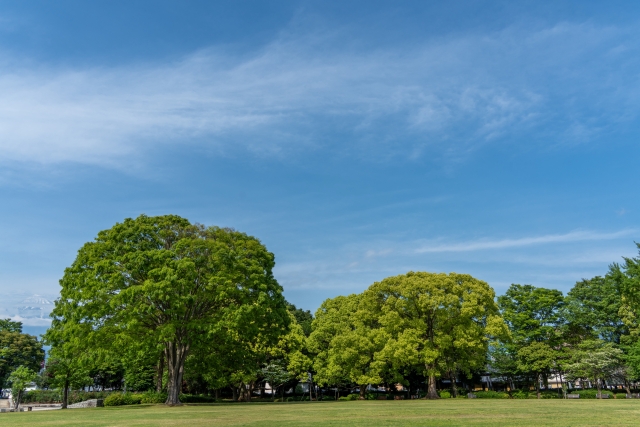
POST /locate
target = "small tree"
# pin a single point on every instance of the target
(17, 349)
(276, 375)
(70, 355)
(537, 358)
(19, 380)
(595, 360)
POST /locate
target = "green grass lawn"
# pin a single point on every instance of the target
(449, 412)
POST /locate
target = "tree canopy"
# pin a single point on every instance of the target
(174, 285)
(436, 320)
(158, 303)
(17, 349)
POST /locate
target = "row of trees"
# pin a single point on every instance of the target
(418, 325)
(590, 334)
(21, 356)
(158, 303)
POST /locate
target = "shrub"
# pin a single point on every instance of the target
(591, 394)
(549, 394)
(350, 397)
(132, 398)
(327, 397)
(55, 396)
(491, 394)
(153, 397)
(372, 396)
(42, 396)
(520, 394)
(195, 398)
(115, 399)
(444, 394)
(119, 399)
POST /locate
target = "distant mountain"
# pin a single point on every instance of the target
(30, 309)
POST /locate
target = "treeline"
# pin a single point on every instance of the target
(416, 328)
(160, 304)
(589, 335)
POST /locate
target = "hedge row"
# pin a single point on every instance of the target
(547, 394)
(55, 396)
(593, 394)
(119, 399)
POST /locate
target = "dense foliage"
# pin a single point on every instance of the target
(159, 309)
(17, 350)
(159, 289)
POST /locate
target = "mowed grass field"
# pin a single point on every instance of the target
(449, 412)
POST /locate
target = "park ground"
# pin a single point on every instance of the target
(450, 412)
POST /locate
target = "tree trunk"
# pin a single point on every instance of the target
(363, 388)
(234, 393)
(538, 386)
(599, 388)
(626, 387)
(160, 373)
(241, 390)
(175, 354)
(16, 400)
(249, 390)
(432, 393)
(454, 387)
(65, 394)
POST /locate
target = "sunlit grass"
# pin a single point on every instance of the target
(449, 412)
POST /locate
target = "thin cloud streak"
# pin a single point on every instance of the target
(476, 245)
(452, 95)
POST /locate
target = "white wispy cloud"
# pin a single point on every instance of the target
(455, 93)
(552, 260)
(477, 245)
(31, 321)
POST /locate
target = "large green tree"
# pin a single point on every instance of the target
(304, 318)
(163, 280)
(592, 309)
(535, 317)
(345, 340)
(436, 321)
(533, 313)
(626, 277)
(17, 349)
(536, 358)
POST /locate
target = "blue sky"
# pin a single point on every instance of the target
(357, 140)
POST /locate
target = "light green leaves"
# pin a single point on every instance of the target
(173, 286)
(19, 379)
(418, 322)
